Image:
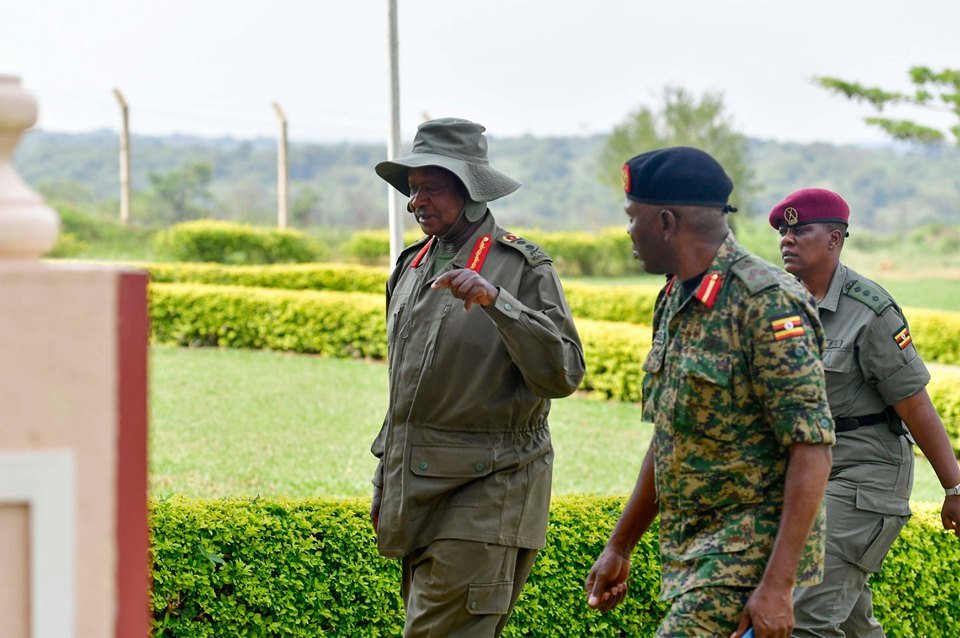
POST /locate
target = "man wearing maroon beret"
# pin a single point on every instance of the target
(875, 384)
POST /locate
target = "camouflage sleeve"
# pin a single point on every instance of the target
(783, 341)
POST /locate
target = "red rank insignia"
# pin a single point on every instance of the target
(902, 337)
(786, 327)
(479, 254)
(670, 285)
(420, 255)
(708, 289)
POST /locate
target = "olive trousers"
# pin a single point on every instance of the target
(462, 589)
(867, 503)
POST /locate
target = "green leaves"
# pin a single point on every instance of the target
(307, 568)
(933, 90)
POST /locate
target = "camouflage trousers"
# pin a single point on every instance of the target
(462, 589)
(705, 612)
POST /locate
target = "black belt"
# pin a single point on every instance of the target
(848, 423)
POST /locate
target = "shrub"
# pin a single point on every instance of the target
(343, 324)
(936, 334)
(342, 277)
(373, 246)
(943, 390)
(210, 240)
(279, 567)
(335, 324)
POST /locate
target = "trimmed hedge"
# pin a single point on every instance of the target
(278, 567)
(353, 325)
(211, 240)
(339, 277)
(336, 324)
(350, 325)
(943, 389)
(936, 332)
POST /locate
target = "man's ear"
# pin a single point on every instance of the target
(668, 222)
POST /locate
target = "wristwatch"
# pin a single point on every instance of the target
(953, 491)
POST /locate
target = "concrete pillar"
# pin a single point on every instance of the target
(73, 425)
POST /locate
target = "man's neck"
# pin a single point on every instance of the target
(457, 236)
(696, 256)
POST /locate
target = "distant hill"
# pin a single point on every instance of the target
(890, 189)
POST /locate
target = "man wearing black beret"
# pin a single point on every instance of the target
(734, 386)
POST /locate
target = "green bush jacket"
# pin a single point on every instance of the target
(465, 449)
(733, 379)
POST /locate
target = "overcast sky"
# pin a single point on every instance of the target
(544, 67)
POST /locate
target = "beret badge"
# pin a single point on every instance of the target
(790, 214)
(626, 179)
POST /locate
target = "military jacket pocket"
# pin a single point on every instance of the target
(706, 405)
(712, 533)
(493, 598)
(445, 461)
(837, 360)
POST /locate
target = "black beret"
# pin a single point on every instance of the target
(678, 175)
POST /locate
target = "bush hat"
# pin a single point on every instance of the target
(810, 206)
(460, 147)
(677, 175)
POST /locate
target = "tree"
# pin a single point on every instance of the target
(933, 90)
(683, 120)
(182, 193)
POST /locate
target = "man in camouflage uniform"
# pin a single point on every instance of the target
(734, 386)
(875, 378)
(480, 338)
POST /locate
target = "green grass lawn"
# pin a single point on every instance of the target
(234, 422)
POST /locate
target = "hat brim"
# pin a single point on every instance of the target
(483, 183)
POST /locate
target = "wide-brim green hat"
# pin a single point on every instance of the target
(460, 147)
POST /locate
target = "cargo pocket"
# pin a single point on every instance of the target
(868, 528)
(707, 402)
(895, 514)
(451, 461)
(493, 598)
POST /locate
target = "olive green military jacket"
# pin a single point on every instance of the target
(734, 378)
(870, 359)
(465, 449)
(870, 363)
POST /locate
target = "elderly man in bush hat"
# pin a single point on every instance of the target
(480, 338)
(734, 386)
(875, 382)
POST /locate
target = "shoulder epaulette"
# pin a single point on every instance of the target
(869, 294)
(534, 254)
(755, 274)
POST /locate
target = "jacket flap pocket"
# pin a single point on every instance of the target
(882, 502)
(489, 599)
(837, 360)
(451, 461)
(710, 367)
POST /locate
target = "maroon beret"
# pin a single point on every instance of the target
(809, 206)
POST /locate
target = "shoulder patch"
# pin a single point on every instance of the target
(534, 254)
(755, 273)
(866, 293)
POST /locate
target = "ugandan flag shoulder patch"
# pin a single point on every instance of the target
(902, 337)
(787, 326)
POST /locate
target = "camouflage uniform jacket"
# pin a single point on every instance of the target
(465, 450)
(734, 377)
